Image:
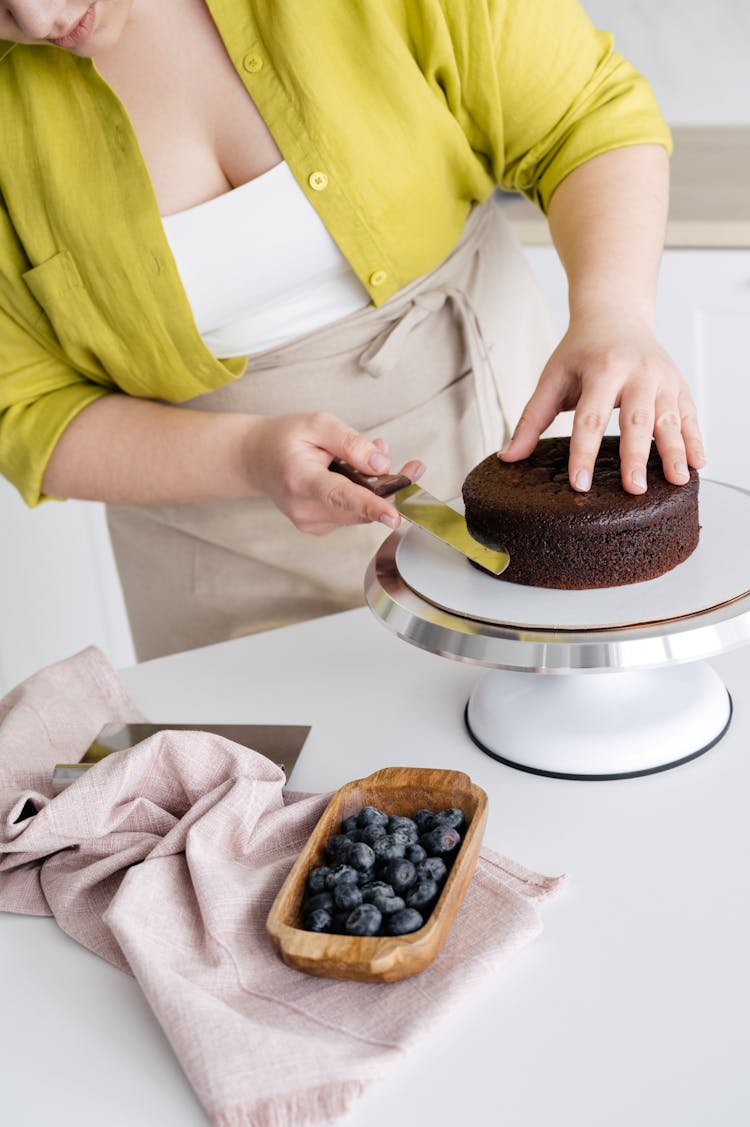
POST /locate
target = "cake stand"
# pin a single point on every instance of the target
(602, 684)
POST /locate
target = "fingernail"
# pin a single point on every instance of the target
(680, 468)
(638, 478)
(392, 522)
(582, 480)
(379, 463)
(417, 473)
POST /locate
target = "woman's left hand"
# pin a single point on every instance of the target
(602, 363)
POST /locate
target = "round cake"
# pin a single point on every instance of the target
(557, 537)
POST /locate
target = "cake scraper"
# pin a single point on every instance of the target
(428, 513)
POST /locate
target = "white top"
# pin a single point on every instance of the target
(259, 267)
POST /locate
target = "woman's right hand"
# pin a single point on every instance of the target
(129, 451)
(288, 458)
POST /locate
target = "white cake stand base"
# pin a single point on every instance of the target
(602, 726)
(602, 684)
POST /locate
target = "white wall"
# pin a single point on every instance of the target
(59, 590)
(695, 53)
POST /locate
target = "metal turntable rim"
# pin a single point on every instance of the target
(548, 649)
(715, 576)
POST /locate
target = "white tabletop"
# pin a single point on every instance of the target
(631, 1008)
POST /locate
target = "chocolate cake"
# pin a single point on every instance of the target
(557, 537)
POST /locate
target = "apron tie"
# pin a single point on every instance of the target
(382, 355)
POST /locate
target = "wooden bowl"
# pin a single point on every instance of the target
(396, 790)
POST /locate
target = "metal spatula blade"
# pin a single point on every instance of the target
(428, 513)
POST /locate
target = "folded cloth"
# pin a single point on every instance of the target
(165, 860)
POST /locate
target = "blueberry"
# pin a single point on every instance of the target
(389, 847)
(342, 874)
(364, 920)
(361, 856)
(375, 888)
(423, 819)
(434, 868)
(372, 832)
(422, 895)
(338, 923)
(451, 817)
(319, 900)
(319, 920)
(316, 881)
(386, 905)
(337, 849)
(382, 874)
(370, 815)
(442, 840)
(400, 874)
(403, 922)
(347, 896)
(399, 824)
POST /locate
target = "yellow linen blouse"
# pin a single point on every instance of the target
(396, 118)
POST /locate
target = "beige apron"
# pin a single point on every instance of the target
(441, 372)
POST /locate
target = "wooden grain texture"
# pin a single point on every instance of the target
(396, 790)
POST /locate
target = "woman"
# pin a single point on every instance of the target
(279, 216)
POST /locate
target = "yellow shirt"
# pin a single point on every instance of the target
(395, 116)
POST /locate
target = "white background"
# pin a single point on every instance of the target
(694, 52)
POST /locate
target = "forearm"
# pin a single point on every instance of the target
(131, 451)
(607, 220)
(135, 451)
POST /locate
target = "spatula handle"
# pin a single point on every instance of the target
(382, 485)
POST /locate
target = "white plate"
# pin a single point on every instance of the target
(717, 572)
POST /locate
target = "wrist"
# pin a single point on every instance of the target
(624, 310)
(252, 458)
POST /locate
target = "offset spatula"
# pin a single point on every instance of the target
(428, 513)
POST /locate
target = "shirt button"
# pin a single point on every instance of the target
(252, 63)
(317, 181)
(378, 277)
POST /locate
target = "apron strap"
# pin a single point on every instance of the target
(382, 355)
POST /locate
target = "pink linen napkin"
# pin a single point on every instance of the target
(165, 860)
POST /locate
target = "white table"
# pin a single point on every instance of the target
(631, 1008)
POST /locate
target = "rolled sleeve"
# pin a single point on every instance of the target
(569, 100)
(39, 396)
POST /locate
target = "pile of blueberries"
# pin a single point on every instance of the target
(383, 873)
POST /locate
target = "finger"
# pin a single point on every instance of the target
(342, 441)
(323, 528)
(413, 470)
(589, 424)
(669, 440)
(691, 431)
(544, 405)
(636, 433)
(347, 503)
